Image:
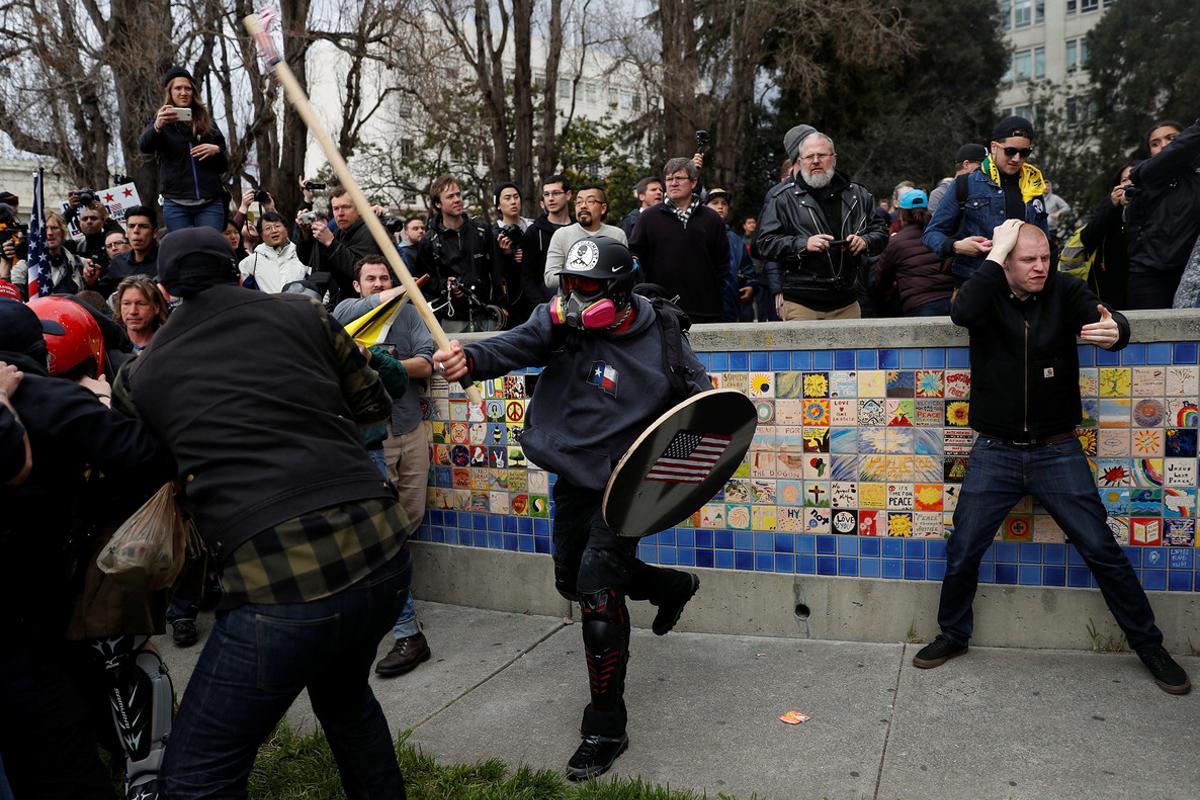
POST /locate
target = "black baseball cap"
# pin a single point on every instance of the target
(1012, 126)
(20, 328)
(970, 152)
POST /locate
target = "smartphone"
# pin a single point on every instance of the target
(839, 243)
(182, 114)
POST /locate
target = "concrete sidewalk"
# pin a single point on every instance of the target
(704, 708)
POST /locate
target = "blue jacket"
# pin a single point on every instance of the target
(592, 401)
(741, 273)
(977, 215)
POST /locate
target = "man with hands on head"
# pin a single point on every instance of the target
(1023, 319)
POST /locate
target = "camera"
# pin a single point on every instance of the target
(1132, 191)
(261, 196)
(701, 142)
(313, 186)
(510, 232)
(86, 196)
(393, 224)
(311, 217)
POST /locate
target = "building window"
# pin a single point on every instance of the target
(612, 95)
(564, 88)
(591, 92)
(406, 148)
(1022, 66)
(1005, 15)
(1026, 112)
(1071, 6)
(637, 101)
(1039, 63)
(1039, 12)
(1022, 13)
(626, 102)
(1072, 56)
(1088, 5)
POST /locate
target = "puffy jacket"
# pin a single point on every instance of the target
(916, 270)
(1024, 362)
(273, 267)
(977, 215)
(790, 215)
(181, 176)
(1163, 217)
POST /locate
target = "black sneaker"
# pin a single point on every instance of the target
(1169, 676)
(147, 790)
(595, 756)
(670, 610)
(404, 656)
(183, 632)
(937, 652)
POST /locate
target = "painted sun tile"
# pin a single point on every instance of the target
(816, 384)
(762, 384)
(872, 383)
(957, 413)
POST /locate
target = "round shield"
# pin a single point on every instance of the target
(679, 463)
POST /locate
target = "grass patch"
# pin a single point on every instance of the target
(292, 766)
(1105, 643)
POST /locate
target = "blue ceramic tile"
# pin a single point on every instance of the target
(1185, 353)
(666, 537)
(739, 361)
(1029, 575)
(783, 543)
(1073, 557)
(914, 570)
(848, 567)
(510, 524)
(1078, 576)
(525, 544)
(987, 573)
(1006, 552)
(1030, 552)
(1006, 573)
(666, 555)
(933, 357)
(806, 565)
(450, 518)
(480, 538)
(821, 359)
(685, 537)
(743, 540)
(935, 549)
(760, 362)
(889, 359)
(1154, 558)
(1134, 554)
(646, 551)
(704, 537)
(893, 548)
(479, 522)
(935, 570)
(893, 568)
(541, 525)
(720, 362)
(1054, 553)
(869, 546)
(826, 565)
(1107, 358)
(496, 541)
(1180, 558)
(1154, 580)
(910, 358)
(764, 542)
(843, 359)
(914, 548)
(524, 525)
(801, 359)
(958, 358)
(1158, 353)
(541, 544)
(685, 556)
(724, 539)
(1179, 581)
(743, 561)
(1054, 576)
(496, 523)
(434, 516)
(724, 559)
(867, 359)
(806, 544)
(847, 545)
(1134, 354)
(704, 558)
(869, 568)
(1087, 355)
(785, 563)
(764, 562)
(826, 545)
(781, 360)
(510, 541)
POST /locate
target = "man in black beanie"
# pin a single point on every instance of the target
(1006, 186)
(259, 398)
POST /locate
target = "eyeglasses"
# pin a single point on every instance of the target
(679, 179)
(552, 194)
(115, 245)
(1013, 152)
(816, 157)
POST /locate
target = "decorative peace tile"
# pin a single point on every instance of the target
(514, 387)
(477, 433)
(762, 491)
(1148, 381)
(1147, 472)
(958, 384)
(930, 383)
(929, 413)
(539, 481)
(843, 411)
(843, 440)
(1179, 472)
(926, 442)
(872, 495)
(1018, 528)
(1119, 525)
(817, 520)
(1182, 412)
(898, 440)
(1116, 501)
(1089, 382)
(1089, 440)
(1146, 531)
(845, 523)
(789, 412)
(816, 494)
(1114, 472)
(737, 491)
(789, 493)
(763, 518)
(928, 525)
(872, 523)
(1090, 407)
(1046, 529)
(816, 412)
(928, 497)
(1179, 532)
(816, 440)
(900, 496)
(816, 466)
(1146, 442)
(1113, 442)
(1115, 412)
(1144, 502)
(900, 413)
(899, 523)
(1181, 443)
(738, 516)
(765, 411)
(844, 467)
(762, 384)
(871, 413)
(950, 493)
(843, 494)
(789, 519)
(843, 384)
(1148, 412)
(957, 412)
(737, 381)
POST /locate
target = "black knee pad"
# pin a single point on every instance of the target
(605, 619)
(600, 570)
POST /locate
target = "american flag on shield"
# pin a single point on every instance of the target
(38, 259)
(689, 458)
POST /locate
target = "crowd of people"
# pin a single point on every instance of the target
(303, 495)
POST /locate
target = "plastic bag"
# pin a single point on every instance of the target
(149, 549)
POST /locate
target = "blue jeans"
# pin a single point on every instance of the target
(182, 607)
(1057, 475)
(176, 216)
(934, 308)
(258, 659)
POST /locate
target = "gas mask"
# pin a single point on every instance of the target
(585, 312)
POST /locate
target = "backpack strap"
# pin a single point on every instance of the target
(673, 324)
(960, 187)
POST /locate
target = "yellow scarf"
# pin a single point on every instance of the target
(1031, 182)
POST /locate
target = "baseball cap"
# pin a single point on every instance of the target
(20, 328)
(717, 193)
(970, 152)
(914, 198)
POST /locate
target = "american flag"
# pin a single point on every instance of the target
(38, 260)
(689, 458)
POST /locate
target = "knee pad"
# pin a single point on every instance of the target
(605, 645)
(142, 699)
(600, 570)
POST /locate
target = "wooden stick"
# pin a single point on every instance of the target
(295, 94)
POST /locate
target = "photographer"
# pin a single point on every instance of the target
(67, 270)
(15, 241)
(274, 263)
(509, 231)
(192, 156)
(337, 253)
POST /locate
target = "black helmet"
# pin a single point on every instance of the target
(598, 257)
(601, 259)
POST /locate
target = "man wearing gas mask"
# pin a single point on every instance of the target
(605, 378)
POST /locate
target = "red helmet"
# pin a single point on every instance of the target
(80, 339)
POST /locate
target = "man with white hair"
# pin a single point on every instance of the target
(820, 227)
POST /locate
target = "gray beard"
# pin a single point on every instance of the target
(816, 181)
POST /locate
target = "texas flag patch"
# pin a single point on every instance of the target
(603, 376)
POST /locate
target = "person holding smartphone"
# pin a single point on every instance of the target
(192, 156)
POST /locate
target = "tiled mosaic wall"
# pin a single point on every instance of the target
(856, 467)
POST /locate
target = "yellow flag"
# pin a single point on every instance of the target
(372, 327)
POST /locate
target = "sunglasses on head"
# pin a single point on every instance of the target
(1023, 152)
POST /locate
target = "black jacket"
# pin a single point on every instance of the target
(339, 258)
(1163, 217)
(792, 213)
(692, 262)
(46, 520)
(180, 176)
(537, 242)
(259, 397)
(1024, 362)
(1104, 234)
(123, 266)
(467, 253)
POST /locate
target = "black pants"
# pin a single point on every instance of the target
(600, 569)
(1155, 289)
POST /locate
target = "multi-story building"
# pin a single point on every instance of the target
(1049, 46)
